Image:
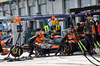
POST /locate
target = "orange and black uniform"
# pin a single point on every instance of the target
(36, 39)
(94, 34)
(0, 40)
(93, 29)
(88, 37)
(0, 48)
(61, 44)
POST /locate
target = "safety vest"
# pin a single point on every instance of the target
(46, 28)
(57, 27)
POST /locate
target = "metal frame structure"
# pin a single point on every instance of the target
(77, 10)
(48, 16)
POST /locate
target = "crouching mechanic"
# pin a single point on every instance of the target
(0, 41)
(1, 50)
(2, 44)
(61, 44)
(36, 38)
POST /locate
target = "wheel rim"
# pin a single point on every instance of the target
(67, 48)
(16, 51)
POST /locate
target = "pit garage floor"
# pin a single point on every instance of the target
(75, 60)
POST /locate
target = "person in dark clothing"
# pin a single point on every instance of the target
(1, 48)
(27, 34)
(96, 23)
(61, 44)
(80, 28)
(88, 37)
(31, 44)
(88, 42)
(0, 40)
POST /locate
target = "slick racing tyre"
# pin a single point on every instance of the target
(67, 48)
(16, 51)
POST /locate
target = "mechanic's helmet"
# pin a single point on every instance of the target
(90, 20)
(2, 44)
(38, 34)
(52, 27)
(82, 22)
(54, 31)
(78, 24)
(41, 33)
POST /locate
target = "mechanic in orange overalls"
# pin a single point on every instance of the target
(41, 37)
(38, 39)
(0, 41)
